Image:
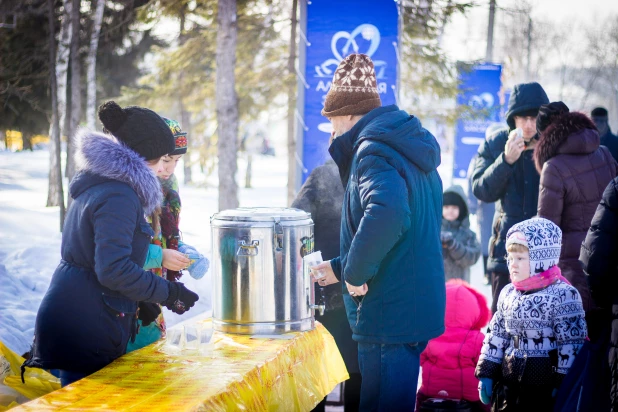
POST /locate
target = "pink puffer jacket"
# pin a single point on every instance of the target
(449, 360)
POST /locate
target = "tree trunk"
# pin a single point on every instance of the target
(291, 109)
(91, 66)
(76, 96)
(227, 104)
(185, 117)
(55, 193)
(26, 141)
(249, 171)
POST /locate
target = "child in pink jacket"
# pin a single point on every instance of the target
(449, 360)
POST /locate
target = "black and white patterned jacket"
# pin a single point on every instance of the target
(534, 336)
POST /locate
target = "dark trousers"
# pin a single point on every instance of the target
(351, 395)
(68, 377)
(521, 397)
(390, 375)
(498, 282)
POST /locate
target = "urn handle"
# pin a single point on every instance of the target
(248, 249)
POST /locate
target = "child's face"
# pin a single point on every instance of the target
(519, 265)
(169, 165)
(450, 212)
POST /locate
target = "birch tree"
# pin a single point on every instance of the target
(54, 132)
(227, 104)
(61, 69)
(292, 108)
(91, 65)
(76, 95)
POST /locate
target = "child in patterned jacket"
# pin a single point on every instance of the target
(538, 328)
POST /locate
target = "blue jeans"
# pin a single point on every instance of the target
(390, 375)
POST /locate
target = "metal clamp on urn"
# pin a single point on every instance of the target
(260, 283)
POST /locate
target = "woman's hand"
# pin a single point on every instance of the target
(174, 260)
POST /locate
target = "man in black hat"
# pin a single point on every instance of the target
(505, 173)
(601, 121)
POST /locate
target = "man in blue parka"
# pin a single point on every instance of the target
(390, 262)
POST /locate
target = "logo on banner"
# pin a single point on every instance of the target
(482, 101)
(368, 32)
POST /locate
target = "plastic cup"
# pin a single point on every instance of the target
(205, 335)
(191, 336)
(314, 259)
(173, 337)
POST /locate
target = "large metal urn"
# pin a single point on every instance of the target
(260, 285)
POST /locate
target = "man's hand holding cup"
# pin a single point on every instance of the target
(515, 146)
(323, 274)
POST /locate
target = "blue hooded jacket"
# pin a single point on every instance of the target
(89, 312)
(390, 228)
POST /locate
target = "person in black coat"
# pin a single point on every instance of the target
(599, 257)
(505, 173)
(322, 196)
(608, 139)
(89, 312)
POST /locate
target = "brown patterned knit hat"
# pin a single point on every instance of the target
(354, 89)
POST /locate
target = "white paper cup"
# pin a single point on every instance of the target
(312, 260)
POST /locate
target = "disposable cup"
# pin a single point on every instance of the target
(191, 336)
(173, 338)
(312, 260)
(205, 335)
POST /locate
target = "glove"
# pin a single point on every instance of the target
(485, 390)
(199, 264)
(447, 239)
(148, 312)
(180, 299)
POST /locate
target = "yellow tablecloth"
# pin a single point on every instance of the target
(233, 372)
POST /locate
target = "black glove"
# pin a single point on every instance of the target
(148, 312)
(447, 239)
(180, 298)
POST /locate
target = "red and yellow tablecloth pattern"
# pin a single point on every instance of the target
(233, 372)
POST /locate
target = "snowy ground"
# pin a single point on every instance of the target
(30, 238)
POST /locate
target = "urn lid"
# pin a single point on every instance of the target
(262, 214)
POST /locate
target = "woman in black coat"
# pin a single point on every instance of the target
(322, 196)
(599, 256)
(89, 312)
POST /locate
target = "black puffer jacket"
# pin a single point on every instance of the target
(514, 187)
(599, 256)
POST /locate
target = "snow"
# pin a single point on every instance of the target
(30, 238)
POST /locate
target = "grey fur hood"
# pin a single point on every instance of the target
(106, 158)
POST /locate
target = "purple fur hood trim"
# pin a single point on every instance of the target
(104, 155)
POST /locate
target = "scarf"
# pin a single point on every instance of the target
(170, 218)
(541, 280)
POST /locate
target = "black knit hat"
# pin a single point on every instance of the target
(144, 131)
(599, 112)
(453, 199)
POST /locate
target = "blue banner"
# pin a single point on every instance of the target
(479, 100)
(336, 29)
